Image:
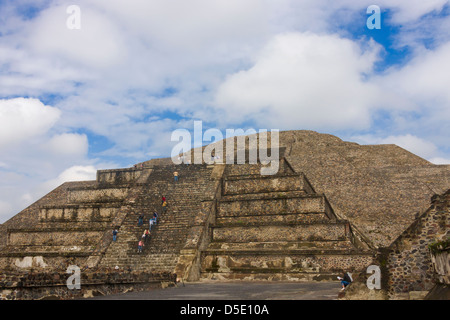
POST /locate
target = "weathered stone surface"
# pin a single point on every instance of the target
(300, 232)
(77, 195)
(258, 184)
(441, 264)
(408, 260)
(53, 285)
(309, 204)
(118, 176)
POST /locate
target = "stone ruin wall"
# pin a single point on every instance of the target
(280, 263)
(53, 285)
(408, 264)
(409, 268)
(56, 262)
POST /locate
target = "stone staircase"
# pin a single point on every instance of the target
(168, 236)
(277, 228)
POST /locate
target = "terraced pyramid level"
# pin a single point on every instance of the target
(278, 228)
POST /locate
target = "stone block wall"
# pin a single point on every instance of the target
(118, 176)
(286, 264)
(86, 195)
(76, 213)
(53, 285)
(310, 204)
(248, 169)
(274, 219)
(55, 261)
(259, 184)
(407, 262)
(61, 237)
(300, 232)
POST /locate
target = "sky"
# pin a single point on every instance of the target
(102, 84)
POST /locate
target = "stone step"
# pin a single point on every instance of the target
(168, 236)
(257, 184)
(267, 219)
(279, 205)
(235, 275)
(284, 261)
(265, 195)
(43, 249)
(279, 245)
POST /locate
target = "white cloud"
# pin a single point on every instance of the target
(303, 80)
(22, 119)
(324, 15)
(412, 10)
(416, 145)
(67, 144)
(439, 160)
(417, 96)
(74, 173)
(20, 190)
(190, 26)
(97, 44)
(5, 207)
(425, 79)
(78, 173)
(32, 149)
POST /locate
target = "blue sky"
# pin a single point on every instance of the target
(109, 94)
